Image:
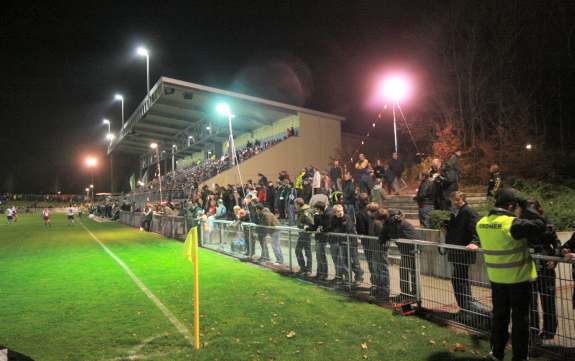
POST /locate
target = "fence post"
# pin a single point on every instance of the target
(249, 240)
(221, 238)
(173, 227)
(348, 246)
(290, 248)
(417, 256)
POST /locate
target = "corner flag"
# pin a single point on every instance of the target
(191, 253)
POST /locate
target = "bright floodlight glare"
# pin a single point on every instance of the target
(223, 109)
(395, 88)
(118, 97)
(91, 162)
(528, 146)
(153, 145)
(142, 51)
(87, 189)
(106, 121)
(208, 128)
(110, 136)
(91, 186)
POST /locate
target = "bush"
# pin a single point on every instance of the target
(437, 218)
(558, 201)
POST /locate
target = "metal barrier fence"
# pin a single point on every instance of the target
(447, 282)
(169, 226)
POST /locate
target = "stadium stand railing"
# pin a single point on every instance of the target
(408, 275)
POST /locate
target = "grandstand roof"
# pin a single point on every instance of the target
(176, 110)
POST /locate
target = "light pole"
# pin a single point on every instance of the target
(144, 52)
(174, 150)
(107, 122)
(91, 163)
(395, 88)
(121, 99)
(87, 192)
(157, 148)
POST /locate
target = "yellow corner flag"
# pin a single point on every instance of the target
(191, 253)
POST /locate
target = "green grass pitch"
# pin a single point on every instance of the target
(62, 297)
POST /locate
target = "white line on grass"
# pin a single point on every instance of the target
(169, 315)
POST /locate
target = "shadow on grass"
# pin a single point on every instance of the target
(448, 356)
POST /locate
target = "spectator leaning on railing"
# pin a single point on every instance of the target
(304, 221)
(460, 231)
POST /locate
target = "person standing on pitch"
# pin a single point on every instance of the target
(46, 217)
(9, 215)
(303, 221)
(510, 270)
(70, 213)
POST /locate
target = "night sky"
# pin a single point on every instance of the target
(62, 62)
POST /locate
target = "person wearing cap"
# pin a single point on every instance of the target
(510, 269)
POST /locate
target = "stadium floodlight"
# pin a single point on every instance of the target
(224, 109)
(394, 88)
(110, 136)
(87, 189)
(153, 145)
(144, 52)
(528, 146)
(108, 123)
(120, 97)
(91, 162)
(208, 128)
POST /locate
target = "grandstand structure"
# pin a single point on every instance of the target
(269, 136)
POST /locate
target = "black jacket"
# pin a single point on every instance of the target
(395, 228)
(426, 193)
(362, 221)
(341, 224)
(348, 192)
(396, 167)
(461, 232)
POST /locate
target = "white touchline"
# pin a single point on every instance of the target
(169, 315)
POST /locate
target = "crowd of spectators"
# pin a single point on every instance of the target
(192, 175)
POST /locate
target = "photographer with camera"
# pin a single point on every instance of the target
(503, 238)
(544, 287)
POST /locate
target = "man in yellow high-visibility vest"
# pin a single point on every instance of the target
(511, 270)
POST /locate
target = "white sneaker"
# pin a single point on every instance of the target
(492, 357)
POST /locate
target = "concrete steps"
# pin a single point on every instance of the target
(409, 207)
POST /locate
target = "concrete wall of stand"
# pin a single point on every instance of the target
(317, 142)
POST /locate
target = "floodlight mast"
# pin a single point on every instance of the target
(91, 163)
(120, 97)
(395, 88)
(144, 52)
